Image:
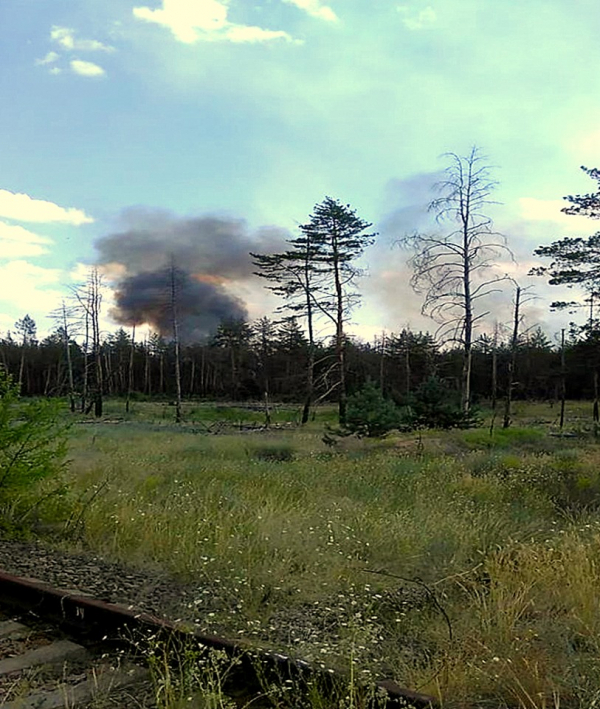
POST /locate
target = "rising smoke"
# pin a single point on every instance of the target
(200, 259)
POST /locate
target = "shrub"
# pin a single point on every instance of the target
(273, 452)
(435, 405)
(32, 439)
(370, 414)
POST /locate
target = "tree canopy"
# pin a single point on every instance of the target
(575, 260)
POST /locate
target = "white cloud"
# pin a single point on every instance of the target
(23, 287)
(246, 33)
(185, 19)
(417, 21)
(65, 37)
(315, 9)
(204, 20)
(14, 232)
(84, 68)
(549, 210)
(12, 250)
(50, 58)
(18, 242)
(109, 272)
(55, 70)
(23, 208)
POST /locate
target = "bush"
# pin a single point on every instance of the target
(32, 439)
(522, 439)
(435, 405)
(273, 452)
(370, 414)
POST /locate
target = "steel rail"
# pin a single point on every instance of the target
(95, 619)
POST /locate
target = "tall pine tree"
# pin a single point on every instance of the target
(338, 238)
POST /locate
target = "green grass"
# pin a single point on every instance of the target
(347, 555)
(506, 438)
(162, 411)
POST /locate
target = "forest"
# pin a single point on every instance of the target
(284, 358)
(243, 360)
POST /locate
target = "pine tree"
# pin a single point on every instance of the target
(338, 238)
(27, 330)
(297, 278)
(575, 260)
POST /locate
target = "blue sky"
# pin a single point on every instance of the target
(255, 110)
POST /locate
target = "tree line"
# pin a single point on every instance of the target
(455, 267)
(244, 360)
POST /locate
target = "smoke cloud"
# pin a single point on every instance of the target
(200, 259)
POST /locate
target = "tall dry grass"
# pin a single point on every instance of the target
(457, 567)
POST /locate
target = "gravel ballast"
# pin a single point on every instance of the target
(147, 591)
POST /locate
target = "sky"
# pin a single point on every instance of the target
(128, 121)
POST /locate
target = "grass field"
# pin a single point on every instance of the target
(459, 564)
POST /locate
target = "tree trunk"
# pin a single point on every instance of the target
(267, 408)
(130, 372)
(176, 344)
(110, 380)
(340, 345)
(596, 411)
(310, 384)
(513, 361)
(407, 369)
(203, 377)
(161, 380)
(21, 368)
(494, 383)
(84, 389)
(98, 399)
(382, 365)
(192, 377)
(95, 300)
(468, 328)
(47, 382)
(310, 361)
(563, 380)
(147, 383)
(69, 359)
(234, 377)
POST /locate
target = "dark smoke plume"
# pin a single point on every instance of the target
(199, 306)
(206, 254)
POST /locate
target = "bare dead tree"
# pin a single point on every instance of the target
(89, 300)
(453, 269)
(67, 342)
(383, 351)
(563, 380)
(130, 370)
(147, 383)
(520, 298)
(173, 284)
(65, 317)
(494, 396)
(514, 342)
(86, 353)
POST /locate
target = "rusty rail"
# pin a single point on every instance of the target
(96, 619)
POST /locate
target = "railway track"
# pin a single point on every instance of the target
(60, 649)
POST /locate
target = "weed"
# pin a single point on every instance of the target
(277, 452)
(274, 538)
